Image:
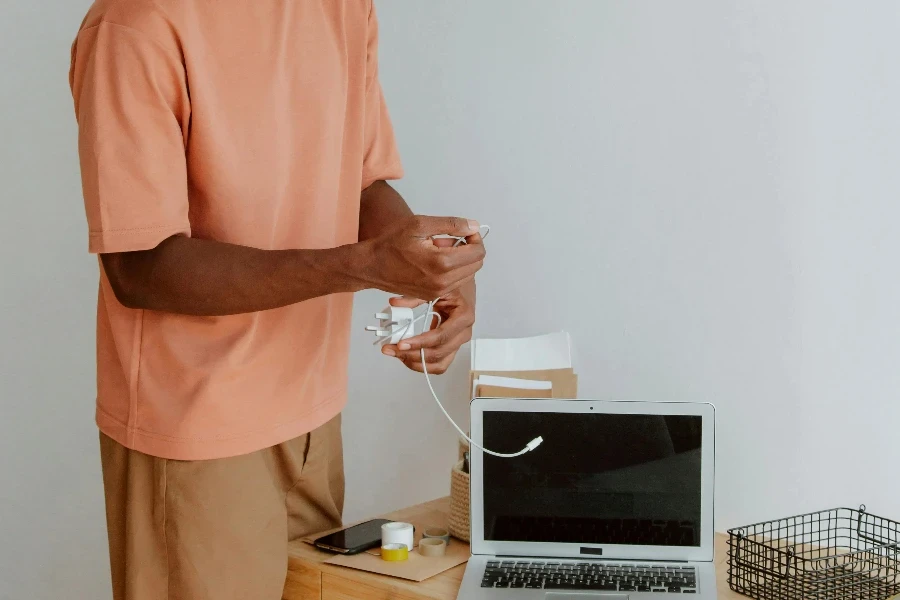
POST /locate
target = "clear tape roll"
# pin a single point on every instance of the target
(397, 533)
(437, 533)
(432, 547)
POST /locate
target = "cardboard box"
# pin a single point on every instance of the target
(502, 368)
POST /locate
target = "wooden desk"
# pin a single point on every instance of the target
(310, 579)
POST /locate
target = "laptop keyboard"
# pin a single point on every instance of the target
(589, 576)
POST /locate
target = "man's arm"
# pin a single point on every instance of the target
(203, 277)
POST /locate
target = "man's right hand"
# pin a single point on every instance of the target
(405, 260)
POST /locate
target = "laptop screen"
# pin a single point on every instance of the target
(596, 479)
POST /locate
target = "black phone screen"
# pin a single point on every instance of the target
(363, 536)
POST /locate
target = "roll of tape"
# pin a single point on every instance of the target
(438, 533)
(394, 552)
(432, 547)
(397, 533)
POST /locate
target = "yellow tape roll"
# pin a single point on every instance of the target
(394, 552)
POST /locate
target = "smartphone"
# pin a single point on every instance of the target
(353, 540)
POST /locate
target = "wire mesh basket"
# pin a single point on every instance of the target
(830, 555)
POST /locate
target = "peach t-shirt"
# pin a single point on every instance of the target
(253, 122)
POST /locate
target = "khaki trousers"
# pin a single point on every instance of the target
(217, 529)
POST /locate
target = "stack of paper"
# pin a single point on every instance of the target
(492, 386)
(533, 367)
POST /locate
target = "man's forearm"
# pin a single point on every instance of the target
(380, 206)
(208, 278)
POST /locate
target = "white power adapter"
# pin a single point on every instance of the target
(396, 323)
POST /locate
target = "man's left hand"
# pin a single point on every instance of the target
(457, 310)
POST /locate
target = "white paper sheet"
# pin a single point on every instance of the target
(514, 382)
(510, 382)
(550, 351)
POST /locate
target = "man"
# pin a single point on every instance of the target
(234, 157)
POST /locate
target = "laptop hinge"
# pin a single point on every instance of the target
(604, 559)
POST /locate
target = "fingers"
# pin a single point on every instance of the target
(429, 339)
(433, 368)
(431, 226)
(434, 338)
(475, 239)
(453, 242)
(406, 302)
(438, 344)
(447, 259)
(444, 280)
(432, 266)
(445, 242)
(460, 277)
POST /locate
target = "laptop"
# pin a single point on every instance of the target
(615, 504)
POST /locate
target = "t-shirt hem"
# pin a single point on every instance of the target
(389, 172)
(133, 240)
(206, 449)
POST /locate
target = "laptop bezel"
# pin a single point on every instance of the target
(702, 553)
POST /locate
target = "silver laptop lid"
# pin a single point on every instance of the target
(616, 480)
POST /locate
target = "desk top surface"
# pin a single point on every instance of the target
(444, 586)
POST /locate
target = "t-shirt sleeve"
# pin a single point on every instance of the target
(381, 160)
(133, 111)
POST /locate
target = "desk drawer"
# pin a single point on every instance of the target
(338, 588)
(302, 583)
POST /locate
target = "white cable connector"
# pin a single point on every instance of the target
(534, 443)
(397, 323)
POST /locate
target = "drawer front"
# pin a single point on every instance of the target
(303, 583)
(338, 588)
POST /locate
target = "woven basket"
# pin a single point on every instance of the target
(460, 526)
(463, 448)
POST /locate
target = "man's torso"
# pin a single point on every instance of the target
(271, 100)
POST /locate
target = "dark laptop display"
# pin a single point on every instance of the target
(597, 479)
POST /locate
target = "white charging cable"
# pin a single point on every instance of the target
(528, 447)
(428, 315)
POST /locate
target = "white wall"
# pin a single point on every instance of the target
(52, 529)
(702, 192)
